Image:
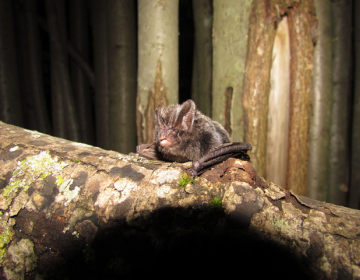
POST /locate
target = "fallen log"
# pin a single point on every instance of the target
(73, 211)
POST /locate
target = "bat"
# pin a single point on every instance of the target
(182, 133)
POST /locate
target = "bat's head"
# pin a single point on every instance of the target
(174, 122)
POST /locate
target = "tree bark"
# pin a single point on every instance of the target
(302, 21)
(257, 79)
(70, 210)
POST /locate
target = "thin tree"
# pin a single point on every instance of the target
(10, 105)
(319, 140)
(157, 61)
(202, 69)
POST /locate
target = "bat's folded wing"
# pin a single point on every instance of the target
(220, 154)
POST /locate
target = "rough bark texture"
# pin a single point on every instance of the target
(70, 210)
(257, 79)
(302, 22)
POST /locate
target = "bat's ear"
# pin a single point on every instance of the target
(158, 118)
(186, 115)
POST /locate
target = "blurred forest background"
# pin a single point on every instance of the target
(281, 75)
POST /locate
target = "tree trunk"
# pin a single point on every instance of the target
(10, 105)
(122, 75)
(257, 80)
(230, 32)
(157, 61)
(35, 68)
(59, 59)
(339, 157)
(101, 85)
(319, 134)
(354, 200)
(301, 23)
(79, 38)
(69, 210)
(202, 71)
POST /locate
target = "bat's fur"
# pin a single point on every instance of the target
(192, 133)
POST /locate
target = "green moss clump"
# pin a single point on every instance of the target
(185, 180)
(6, 234)
(216, 203)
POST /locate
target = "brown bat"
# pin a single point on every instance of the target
(182, 133)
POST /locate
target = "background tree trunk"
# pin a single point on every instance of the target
(257, 80)
(354, 200)
(79, 38)
(202, 69)
(74, 211)
(33, 70)
(101, 86)
(122, 75)
(319, 141)
(157, 61)
(339, 155)
(231, 25)
(59, 59)
(301, 22)
(10, 107)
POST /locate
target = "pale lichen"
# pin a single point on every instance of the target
(67, 191)
(34, 168)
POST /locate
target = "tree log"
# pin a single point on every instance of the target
(73, 211)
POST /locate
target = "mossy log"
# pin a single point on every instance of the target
(73, 211)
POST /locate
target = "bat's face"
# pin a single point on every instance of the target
(172, 122)
(167, 136)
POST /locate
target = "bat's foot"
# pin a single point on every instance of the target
(147, 150)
